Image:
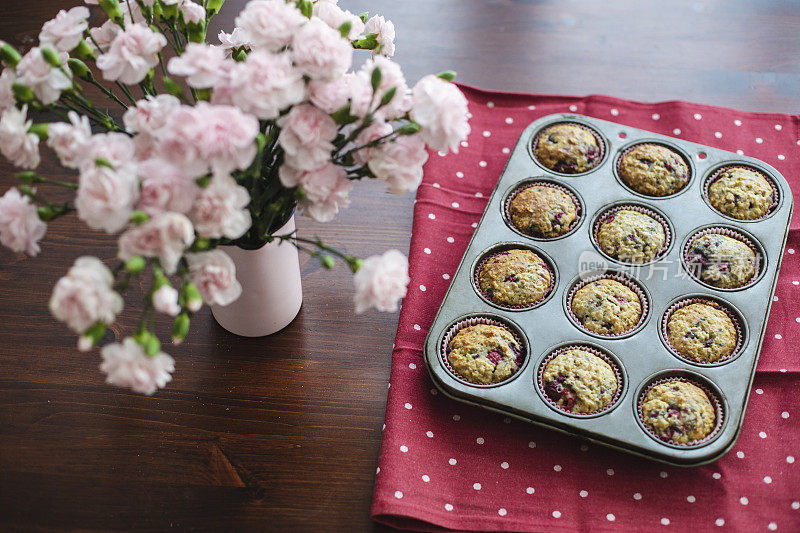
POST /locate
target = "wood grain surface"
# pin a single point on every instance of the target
(283, 433)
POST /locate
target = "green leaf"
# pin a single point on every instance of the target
(345, 28)
(342, 116)
(172, 87)
(305, 7)
(369, 42)
(409, 128)
(376, 78)
(387, 96)
(364, 16)
(447, 75)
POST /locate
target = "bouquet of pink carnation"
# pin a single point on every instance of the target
(271, 120)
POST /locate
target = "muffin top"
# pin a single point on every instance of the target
(721, 261)
(543, 212)
(702, 333)
(631, 236)
(679, 411)
(653, 169)
(515, 277)
(484, 354)
(579, 381)
(567, 148)
(607, 307)
(741, 193)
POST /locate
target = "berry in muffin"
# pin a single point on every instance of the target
(542, 211)
(741, 193)
(606, 307)
(631, 236)
(567, 148)
(721, 261)
(484, 354)
(515, 277)
(653, 169)
(679, 412)
(702, 333)
(579, 381)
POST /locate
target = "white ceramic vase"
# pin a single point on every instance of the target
(271, 289)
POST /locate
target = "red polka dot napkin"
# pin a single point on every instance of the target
(444, 464)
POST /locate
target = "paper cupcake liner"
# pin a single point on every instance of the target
(627, 150)
(482, 263)
(716, 305)
(695, 273)
(719, 412)
(602, 355)
(715, 176)
(645, 303)
(601, 144)
(543, 183)
(605, 215)
(473, 321)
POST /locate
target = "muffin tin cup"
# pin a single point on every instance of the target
(644, 356)
(629, 283)
(728, 232)
(725, 308)
(601, 145)
(489, 321)
(713, 397)
(681, 154)
(714, 176)
(604, 216)
(511, 246)
(613, 363)
(543, 183)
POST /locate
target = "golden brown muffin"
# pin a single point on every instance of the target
(654, 170)
(702, 333)
(567, 148)
(741, 193)
(721, 261)
(515, 277)
(484, 354)
(543, 212)
(607, 307)
(579, 381)
(631, 236)
(679, 412)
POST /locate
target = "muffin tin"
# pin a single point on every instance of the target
(642, 356)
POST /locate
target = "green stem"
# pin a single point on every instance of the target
(108, 93)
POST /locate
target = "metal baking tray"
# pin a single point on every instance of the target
(642, 355)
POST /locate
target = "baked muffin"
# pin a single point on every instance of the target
(679, 412)
(702, 333)
(567, 148)
(514, 277)
(653, 169)
(721, 261)
(741, 193)
(484, 354)
(606, 307)
(579, 381)
(543, 212)
(631, 236)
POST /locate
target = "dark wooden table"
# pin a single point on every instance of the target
(283, 432)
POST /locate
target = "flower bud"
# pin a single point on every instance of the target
(172, 87)
(9, 54)
(40, 130)
(135, 264)
(196, 32)
(180, 328)
(148, 342)
(169, 12)
(354, 263)
(364, 16)
(83, 50)
(139, 217)
(50, 56)
(190, 297)
(369, 42)
(240, 56)
(200, 244)
(376, 78)
(22, 93)
(327, 261)
(80, 69)
(388, 96)
(46, 213)
(447, 75)
(213, 7)
(29, 176)
(409, 128)
(165, 299)
(113, 10)
(91, 336)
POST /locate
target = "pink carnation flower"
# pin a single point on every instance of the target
(326, 189)
(267, 84)
(85, 295)
(165, 300)
(132, 53)
(127, 365)
(164, 236)
(43, 79)
(269, 24)
(16, 144)
(329, 96)
(70, 141)
(381, 282)
(379, 128)
(384, 29)
(306, 137)
(441, 110)
(320, 51)
(20, 226)
(192, 13)
(65, 31)
(7, 78)
(391, 77)
(399, 163)
(150, 114)
(335, 17)
(228, 137)
(165, 188)
(220, 210)
(200, 63)
(214, 274)
(106, 197)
